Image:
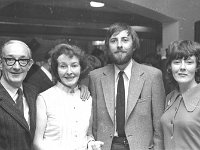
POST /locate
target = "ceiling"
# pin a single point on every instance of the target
(73, 18)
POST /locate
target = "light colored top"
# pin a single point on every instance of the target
(181, 120)
(13, 93)
(126, 77)
(67, 119)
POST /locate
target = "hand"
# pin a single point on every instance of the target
(85, 94)
(95, 145)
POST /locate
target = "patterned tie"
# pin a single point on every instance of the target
(120, 106)
(19, 100)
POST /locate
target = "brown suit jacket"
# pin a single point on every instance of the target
(15, 133)
(145, 105)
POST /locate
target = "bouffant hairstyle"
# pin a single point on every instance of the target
(68, 50)
(182, 49)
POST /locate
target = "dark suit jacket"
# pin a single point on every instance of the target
(145, 105)
(14, 130)
(40, 80)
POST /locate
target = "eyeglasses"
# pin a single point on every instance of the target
(12, 61)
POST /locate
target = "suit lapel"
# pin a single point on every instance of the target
(108, 84)
(7, 104)
(135, 87)
(46, 79)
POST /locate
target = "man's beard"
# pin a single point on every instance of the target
(121, 60)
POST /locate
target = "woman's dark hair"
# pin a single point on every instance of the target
(68, 50)
(182, 49)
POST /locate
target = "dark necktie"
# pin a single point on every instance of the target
(19, 100)
(120, 106)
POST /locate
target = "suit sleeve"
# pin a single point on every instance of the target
(90, 136)
(158, 104)
(94, 105)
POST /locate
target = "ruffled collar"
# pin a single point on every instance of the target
(67, 89)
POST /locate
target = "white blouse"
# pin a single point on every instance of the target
(67, 119)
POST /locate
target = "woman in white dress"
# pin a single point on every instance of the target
(64, 120)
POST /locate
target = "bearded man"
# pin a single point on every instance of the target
(128, 97)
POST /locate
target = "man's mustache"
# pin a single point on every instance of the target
(120, 51)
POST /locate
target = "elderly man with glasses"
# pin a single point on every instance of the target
(17, 100)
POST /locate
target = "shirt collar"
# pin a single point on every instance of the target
(11, 90)
(127, 70)
(191, 98)
(67, 89)
(46, 72)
